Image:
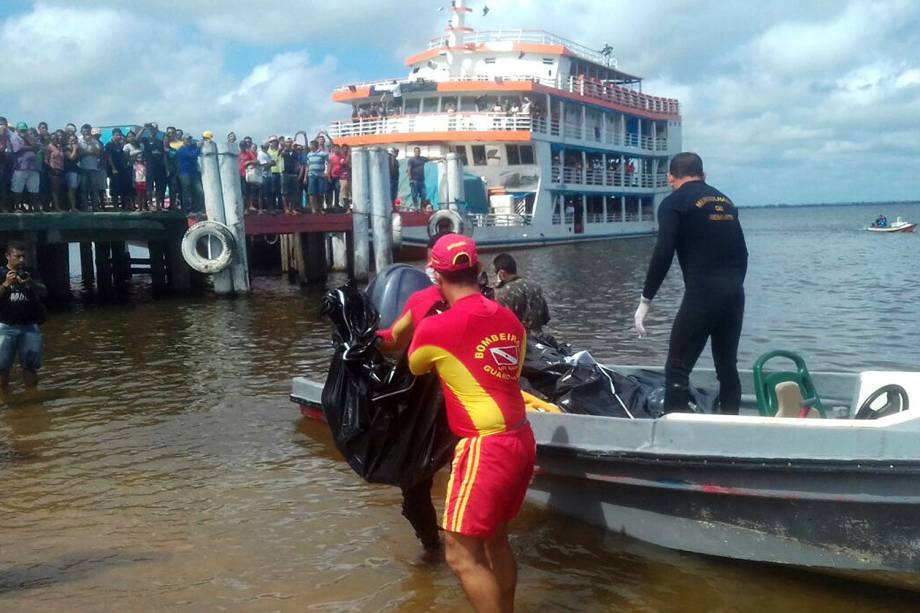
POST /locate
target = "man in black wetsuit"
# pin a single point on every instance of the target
(701, 225)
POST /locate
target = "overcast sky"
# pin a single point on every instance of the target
(787, 101)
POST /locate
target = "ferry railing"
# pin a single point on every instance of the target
(556, 174)
(631, 139)
(572, 130)
(614, 178)
(557, 219)
(661, 180)
(554, 126)
(608, 92)
(613, 217)
(595, 217)
(432, 122)
(647, 142)
(594, 177)
(571, 174)
(527, 36)
(661, 143)
(646, 180)
(500, 220)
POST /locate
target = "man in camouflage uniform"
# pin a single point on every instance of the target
(523, 297)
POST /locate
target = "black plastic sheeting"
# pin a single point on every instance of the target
(577, 384)
(389, 425)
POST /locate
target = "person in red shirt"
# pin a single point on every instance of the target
(477, 349)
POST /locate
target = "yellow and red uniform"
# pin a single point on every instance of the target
(477, 349)
(419, 304)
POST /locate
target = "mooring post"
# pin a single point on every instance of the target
(121, 264)
(228, 155)
(86, 265)
(180, 274)
(360, 203)
(381, 208)
(157, 266)
(104, 267)
(214, 205)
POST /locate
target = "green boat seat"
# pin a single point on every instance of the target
(785, 393)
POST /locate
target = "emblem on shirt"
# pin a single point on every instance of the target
(504, 356)
(503, 351)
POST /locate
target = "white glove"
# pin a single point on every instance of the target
(644, 305)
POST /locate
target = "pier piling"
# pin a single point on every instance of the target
(360, 191)
(228, 154)
(214, 205)
(381, 208)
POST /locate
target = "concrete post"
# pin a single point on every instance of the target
(228, 155)
(339, 252)
(380, 209)
(360, 207)
(456, 193)
(214, 206)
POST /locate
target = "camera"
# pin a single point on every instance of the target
(23, 276)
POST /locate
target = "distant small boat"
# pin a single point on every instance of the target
(899, 225)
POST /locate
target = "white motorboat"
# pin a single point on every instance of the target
(831, 493)
(899, 225)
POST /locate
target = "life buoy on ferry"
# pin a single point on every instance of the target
(397, 230)
(445, 221)
(215, 254)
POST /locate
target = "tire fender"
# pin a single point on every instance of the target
(214, 231)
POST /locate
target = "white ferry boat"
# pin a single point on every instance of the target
(568, 146)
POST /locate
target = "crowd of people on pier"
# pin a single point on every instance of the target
(146, 169)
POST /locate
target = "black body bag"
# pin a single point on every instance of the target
(389, 425)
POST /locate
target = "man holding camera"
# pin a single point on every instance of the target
(21, 313)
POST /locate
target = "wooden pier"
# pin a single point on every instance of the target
(103, 237)
(305, 243)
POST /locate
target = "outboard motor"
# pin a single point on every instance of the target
(392, 287)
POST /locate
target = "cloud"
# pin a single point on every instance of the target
(115, 67)
(786, 100)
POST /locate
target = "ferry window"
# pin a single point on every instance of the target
(519, 154)
(412, 106)
(548, 61)
(526, 154)
(479, 155)
(467, 103)
(460, 150)
(492, 157)
(448, 104)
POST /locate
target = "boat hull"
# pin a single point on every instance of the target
(910, 227)
(816, 515)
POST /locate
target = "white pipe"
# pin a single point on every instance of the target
(214, 206)
(456, 193)
(360, 207)
(380, 209)
(227, 157)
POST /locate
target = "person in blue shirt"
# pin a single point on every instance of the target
(189, 177)
(315, 168)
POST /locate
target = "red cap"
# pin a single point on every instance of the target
(447, 251)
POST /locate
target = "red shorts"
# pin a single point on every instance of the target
(488, 481)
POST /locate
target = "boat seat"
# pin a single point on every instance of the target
(791, 403)
(767, 385)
